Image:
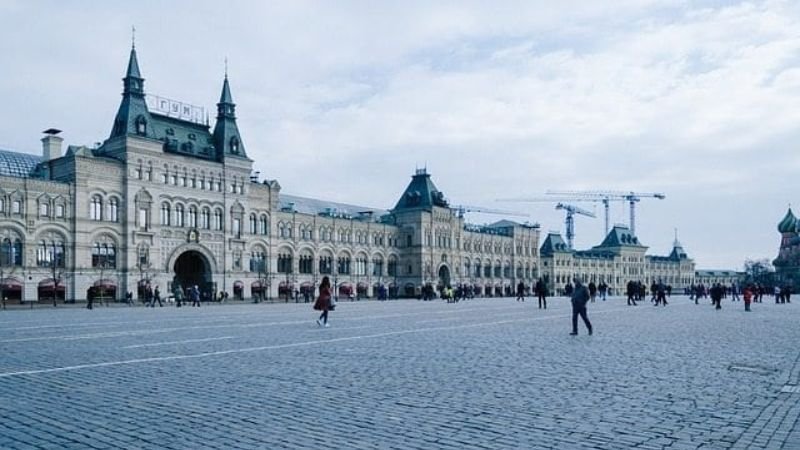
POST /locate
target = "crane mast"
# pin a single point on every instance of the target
(569, 221)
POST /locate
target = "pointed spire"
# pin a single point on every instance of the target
(133, 65)
(227, 140)
(226, 96)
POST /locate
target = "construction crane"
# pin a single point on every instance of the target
(570, 220)
(606, 197)
(461, 209)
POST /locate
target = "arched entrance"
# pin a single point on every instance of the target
(192, 268)
(444, 276)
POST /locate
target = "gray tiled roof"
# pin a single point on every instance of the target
(17, 164)
(315, 206)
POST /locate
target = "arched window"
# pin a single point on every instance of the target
(11, 253)
(325, 265)
(361, 265)
(104, 255)
(96, 208)
(113, 210)
(141, 126)
(258, 261)
(234, 145)
(253, 222)
(218, 220)
(50, 253)
(306, 264)
(377, 267)
(165, 214)
(179, 218)
(193, 217)
(284, 263)
(205, 219)
(343, 265)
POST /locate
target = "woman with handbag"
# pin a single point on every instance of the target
(323, 302)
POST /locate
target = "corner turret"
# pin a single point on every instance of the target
(227, 139)
(133, 117)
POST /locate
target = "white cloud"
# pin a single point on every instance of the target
(343, 100)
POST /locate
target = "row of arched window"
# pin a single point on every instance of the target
(478, 270)
(344, 265)
(179, 216)
(326, 234)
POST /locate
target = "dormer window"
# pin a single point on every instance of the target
(235, 145)
(192, 136)
(141, 126)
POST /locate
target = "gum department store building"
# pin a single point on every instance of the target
(168, 201)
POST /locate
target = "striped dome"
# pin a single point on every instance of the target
(788, 224)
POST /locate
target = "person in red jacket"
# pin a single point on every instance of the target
(323, 302)
(747, 295)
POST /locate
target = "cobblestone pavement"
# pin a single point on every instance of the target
(486, 373)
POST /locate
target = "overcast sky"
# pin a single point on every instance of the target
(343, 100)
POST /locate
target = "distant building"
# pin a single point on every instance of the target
(723, 277)
(787, 264)
(620, 258)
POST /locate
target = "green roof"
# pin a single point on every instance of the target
(620, 236)
(789, 223)
(554, 243)
(421, 193)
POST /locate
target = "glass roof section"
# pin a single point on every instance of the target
(16, 164)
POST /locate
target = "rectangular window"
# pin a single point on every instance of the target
(16, 207)
(237, 224)
(143, 218)
(59, 210)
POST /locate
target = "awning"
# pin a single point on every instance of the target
(11, 284)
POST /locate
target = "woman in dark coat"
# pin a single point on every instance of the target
(323, 302)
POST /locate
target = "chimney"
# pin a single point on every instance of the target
(51, 144)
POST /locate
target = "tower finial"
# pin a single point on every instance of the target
(226, 67)
(133, 36)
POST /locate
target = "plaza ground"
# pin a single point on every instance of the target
(485, 373)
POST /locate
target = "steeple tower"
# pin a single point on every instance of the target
(133, 118)
(227, 139)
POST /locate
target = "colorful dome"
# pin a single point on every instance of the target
(788, 224)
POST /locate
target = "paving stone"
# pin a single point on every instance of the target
(486, 373)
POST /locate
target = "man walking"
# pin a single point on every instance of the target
(580, 295)
(156, 298)
(541, 293)
(521, 291)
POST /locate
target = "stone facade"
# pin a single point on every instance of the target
(620, 258)
(170, 202)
